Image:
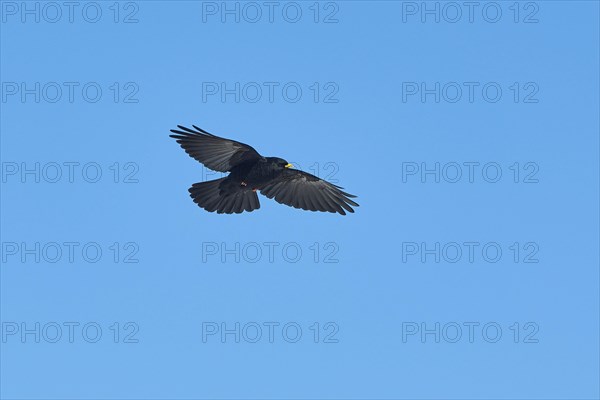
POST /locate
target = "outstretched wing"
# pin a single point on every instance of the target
(302, 190)
(214, 152)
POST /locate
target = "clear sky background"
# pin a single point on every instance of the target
(470, 269)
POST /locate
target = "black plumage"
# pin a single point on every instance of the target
(250, 172)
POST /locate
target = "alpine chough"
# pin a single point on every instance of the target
(249, 172)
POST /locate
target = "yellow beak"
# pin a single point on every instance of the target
(288, 165)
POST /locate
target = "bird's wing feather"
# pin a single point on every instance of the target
(214, 152)
(302, 190)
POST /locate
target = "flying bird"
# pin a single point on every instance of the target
(250, 172)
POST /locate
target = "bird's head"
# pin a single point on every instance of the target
(280, 162)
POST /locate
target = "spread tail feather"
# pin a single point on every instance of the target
(210, 196)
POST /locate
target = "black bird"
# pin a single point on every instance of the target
(249, 172)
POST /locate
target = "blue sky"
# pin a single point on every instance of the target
(470, 135)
